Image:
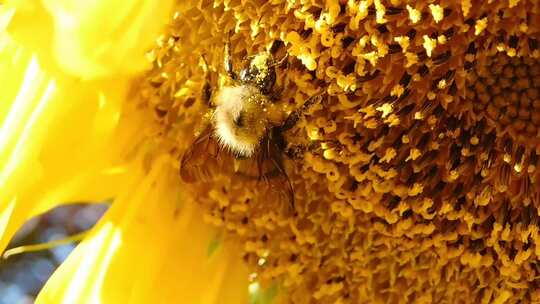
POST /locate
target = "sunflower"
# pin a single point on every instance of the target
(417, 181)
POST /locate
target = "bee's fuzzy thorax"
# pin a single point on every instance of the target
(232, 142)
(242, 140)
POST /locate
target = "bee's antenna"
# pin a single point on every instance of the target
(227, 58)
(207, 89)
(281, 61)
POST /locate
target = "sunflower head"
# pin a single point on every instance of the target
(418, 177)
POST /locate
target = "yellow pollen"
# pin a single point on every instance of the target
(437, 12)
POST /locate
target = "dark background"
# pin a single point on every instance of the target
(22, 276)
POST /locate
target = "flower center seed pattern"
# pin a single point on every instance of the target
(420, 184)
(506, 91)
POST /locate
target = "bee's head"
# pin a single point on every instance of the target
(240, 119)
(260, 72)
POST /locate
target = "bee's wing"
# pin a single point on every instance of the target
(202, 159)
(268, 174)
(278, 183)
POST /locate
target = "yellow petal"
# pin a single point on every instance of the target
(60, 139)
(91, 39)
(55, 139)
(151, 247)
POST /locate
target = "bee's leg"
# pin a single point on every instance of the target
(227, 59)
(293, 118)
(297, 151)
(276, 94)
(274, 48)
(207, 88)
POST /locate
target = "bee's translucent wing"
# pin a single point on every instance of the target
(263, 172)
(267, 174)
(278, 184)
(202, 159)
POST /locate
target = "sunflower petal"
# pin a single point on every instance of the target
(83, 47)
(50, 153)
(150, 240)
(60, 139)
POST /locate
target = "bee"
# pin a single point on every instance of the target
(244, 133)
